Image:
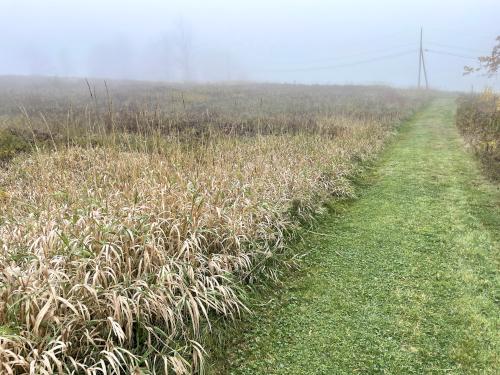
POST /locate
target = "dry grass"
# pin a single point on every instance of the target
(115, 258)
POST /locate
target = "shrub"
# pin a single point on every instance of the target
(478, 119)
(11, 143)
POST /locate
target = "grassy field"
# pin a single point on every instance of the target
(135, 217)
(403, 280)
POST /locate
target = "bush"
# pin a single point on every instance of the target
(11, 144)
(478, 119)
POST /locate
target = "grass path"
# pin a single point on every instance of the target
(402, 282)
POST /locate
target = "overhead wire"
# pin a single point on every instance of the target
(375, 59)
(356, 54)
(456, 47)
(450, 54)
(343, 65)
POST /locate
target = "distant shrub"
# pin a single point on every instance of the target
(11, 144)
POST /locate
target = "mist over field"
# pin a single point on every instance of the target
(359, 42)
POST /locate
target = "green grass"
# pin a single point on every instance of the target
(403, 281)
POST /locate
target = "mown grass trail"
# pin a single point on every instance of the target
(403, 282)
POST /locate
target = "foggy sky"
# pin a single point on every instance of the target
(308, 41)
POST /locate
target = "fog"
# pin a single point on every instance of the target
(308, 41)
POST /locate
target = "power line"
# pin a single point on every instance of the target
(457, 47)
(360, 54)
(422, 63)
(450, 54)
(329, 67)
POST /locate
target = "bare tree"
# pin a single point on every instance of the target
(490, 64)
(184, 43)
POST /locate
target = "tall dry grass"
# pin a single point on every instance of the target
(117, 257)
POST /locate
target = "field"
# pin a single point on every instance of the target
(135, 217)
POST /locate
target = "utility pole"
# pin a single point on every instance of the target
(420, 59)
(421, 64)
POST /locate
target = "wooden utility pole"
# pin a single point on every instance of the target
(421, 63)
(420, 59)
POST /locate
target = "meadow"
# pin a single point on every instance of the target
(135, 217)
